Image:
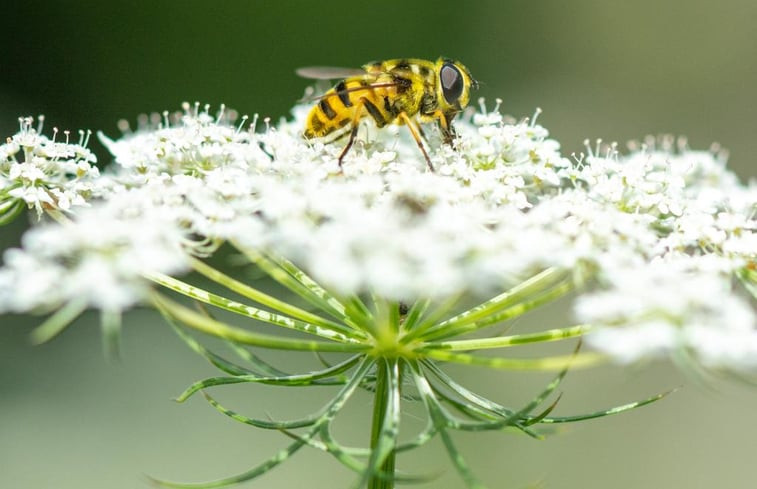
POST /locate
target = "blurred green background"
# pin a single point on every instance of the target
(615, 70)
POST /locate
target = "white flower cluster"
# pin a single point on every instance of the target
(663, 231)
(199, 167)
(45, 173)
(96, 261)
(681, 299)
(673, 305)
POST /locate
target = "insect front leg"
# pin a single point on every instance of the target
(445, 126)
(448, 133)
(414, 130)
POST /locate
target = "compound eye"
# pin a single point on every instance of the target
(452, 82)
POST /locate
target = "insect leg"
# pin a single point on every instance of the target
(448, 132)
(353, 130)
(416, 135)
(422, 133)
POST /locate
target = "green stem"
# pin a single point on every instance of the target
(219, 329)
(265, 299)
(58, 321)
(10, 209)
(380, 406)
(513, 340)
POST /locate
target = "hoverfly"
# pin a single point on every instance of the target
(390, 92)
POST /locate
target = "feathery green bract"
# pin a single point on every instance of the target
(395, 352)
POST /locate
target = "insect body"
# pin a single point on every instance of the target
(390, 92)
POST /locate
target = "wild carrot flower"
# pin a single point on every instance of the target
(403, 269)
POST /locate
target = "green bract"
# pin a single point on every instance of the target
(395, 351)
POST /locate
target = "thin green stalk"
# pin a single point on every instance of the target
(339, 333)
(437, 416)
(513, 340)
(9, 211)
(296, 281)
(111, 327)
(748, 277)
(222, 330)
(5, 192)
(386, 406)
(329, 376)
(58, 321)
(264, 299)
(330, 411)
(547, 364)
(357, 309)
(434, 316)
(452, 329)
(313, 287)
(515, 295)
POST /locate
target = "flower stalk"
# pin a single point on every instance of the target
(384, 425)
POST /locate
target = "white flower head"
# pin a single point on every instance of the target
(191, 142)
(45, 174)
(97, 260)
(502, 205)
(675, 304)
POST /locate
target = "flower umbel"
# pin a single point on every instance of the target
(395, 271)
(44, 174)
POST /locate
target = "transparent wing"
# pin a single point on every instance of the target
(335, 93)
(328, 72)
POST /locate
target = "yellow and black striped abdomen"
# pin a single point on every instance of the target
(332, 117)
